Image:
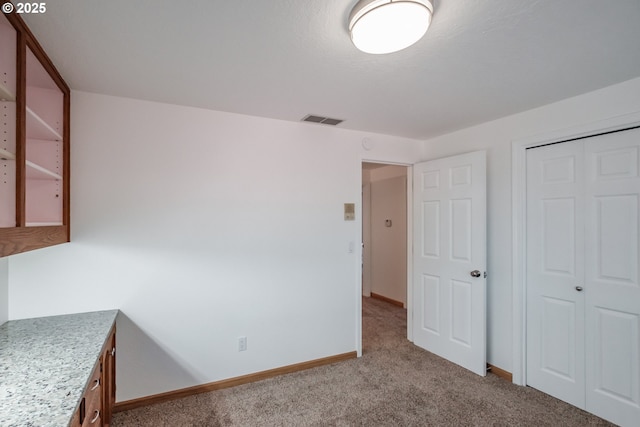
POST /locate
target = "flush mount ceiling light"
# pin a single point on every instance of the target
(385, 26)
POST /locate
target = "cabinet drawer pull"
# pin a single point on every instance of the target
(96, 415)
(96, 384)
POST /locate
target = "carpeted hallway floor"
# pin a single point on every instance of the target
(394, 383)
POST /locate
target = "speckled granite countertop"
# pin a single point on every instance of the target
(45, 364)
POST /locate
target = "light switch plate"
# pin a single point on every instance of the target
(349, 211)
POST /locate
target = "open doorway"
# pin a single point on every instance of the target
(384, 232)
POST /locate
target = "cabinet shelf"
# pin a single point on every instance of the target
(43, 224)
(6, 155)
(35, 171)
(5, 94)
(39, 129)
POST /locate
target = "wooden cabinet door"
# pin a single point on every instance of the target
(109, 378)
(8, 146)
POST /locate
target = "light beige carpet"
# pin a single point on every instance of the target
(394, 383)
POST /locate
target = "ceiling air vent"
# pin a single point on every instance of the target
(323, 120)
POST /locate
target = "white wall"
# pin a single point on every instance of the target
(389, 244)
(201, 227)
(4, 290)
(496, 138)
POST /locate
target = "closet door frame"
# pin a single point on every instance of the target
(518, 222)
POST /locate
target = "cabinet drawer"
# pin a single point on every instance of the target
(94, 386)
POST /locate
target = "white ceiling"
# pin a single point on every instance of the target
(480, 60)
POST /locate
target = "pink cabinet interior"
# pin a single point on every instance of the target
(44, 147)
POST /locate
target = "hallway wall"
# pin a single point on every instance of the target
(389, 243)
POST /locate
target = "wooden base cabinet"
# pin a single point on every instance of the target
(97, 401)
(92, 400)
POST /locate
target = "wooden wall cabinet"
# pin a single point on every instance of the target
(34, 143)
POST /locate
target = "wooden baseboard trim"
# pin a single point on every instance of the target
(231, 382)
(389, 300)
(506, 375)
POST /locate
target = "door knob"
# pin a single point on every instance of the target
(475, 273)
(579, 288)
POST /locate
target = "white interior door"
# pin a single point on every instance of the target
(449, 259)
(583, 288)
(612, 288)
(555, 271)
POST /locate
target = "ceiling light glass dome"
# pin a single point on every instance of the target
(385, 26)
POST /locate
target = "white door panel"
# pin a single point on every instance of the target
(583, 290)
(611, 283)
(460, 298)
(430, 304)
(558, 217)
(555, 309)
(449, 243)
(430, 218)
(557, 338)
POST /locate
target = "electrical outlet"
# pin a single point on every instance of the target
(242, 344)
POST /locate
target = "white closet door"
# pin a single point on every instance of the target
(612, 288)
(555, 271)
